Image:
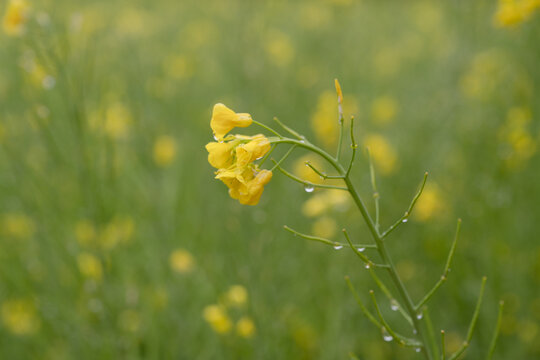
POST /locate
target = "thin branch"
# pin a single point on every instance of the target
(399, 338)
(354, 146)
(392, 299)
(268, 128)
(308, 183)
(431, 334)
(405, 216)
(267, 154)
(335, 244)
(321, 174)
(443, 347)
(283, 158)
(361, 304)
(376, 195)
(446, 269)
(465, 344)
(289, 130)
(496, 332)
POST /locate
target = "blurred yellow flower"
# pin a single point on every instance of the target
(513, 12)
(430, 204)
(16, 17)
(129, 321)
(384, 110)
(178, 67)
(164, 150)
(236, 296)
(20, 317)
(18, 226)
(181, 261)
(324, 227)
(324, 120)
(90, 266)
(323, 201)
(218, 319)
(383, 153)
(279, 48)
(516, 134)
(245, 327)
(224, 120)
(85, 232)
(119, 230)
(117, 121)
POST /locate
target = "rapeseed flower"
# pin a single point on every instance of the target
(513, 12)
(245, 327)
(218, 318)
(234, 156)
(16, 17)
(20, 317)
(164, 150)
(181, 261)
(383, 153)
(237, 296)
(18, 226)
(224, 120)
(90, 266)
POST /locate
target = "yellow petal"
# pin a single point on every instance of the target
(224, 120)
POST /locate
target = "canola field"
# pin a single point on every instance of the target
(116, 241)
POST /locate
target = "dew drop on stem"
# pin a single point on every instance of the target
(309, 188)
(385, 335)
(361, 249)
(338, 247)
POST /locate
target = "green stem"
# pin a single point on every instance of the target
(379, 241)
(268, 128)
(496, 332)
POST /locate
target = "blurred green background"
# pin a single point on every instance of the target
(115, 239)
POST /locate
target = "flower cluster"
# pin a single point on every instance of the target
(513, 12)
(234, 156)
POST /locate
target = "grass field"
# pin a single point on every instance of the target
(115, 240)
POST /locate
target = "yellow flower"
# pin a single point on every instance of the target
(251, 151)
(382, 152)
(181, 261)
(245, 327)
(224, 120)
(218, 319)
(430, 203)
(513, 12)
(20, 317)
(317, 204)
(117, 121)
(164, 150)
(16, 17)
(220, 154)
(324, 227)
(236, 296)
(18, 226)
(324, 120)
(90, 266)
(384, 110)
(85, 232)
(250, 193)
(279, 48)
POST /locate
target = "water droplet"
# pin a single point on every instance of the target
(419, 316)
(405, 220)
(417, 349)
(303, 141)
(367, 266)
(385, 335)
(309, 188)
(414, 331)
(361, 249)
(338, 247)
(394, 305)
